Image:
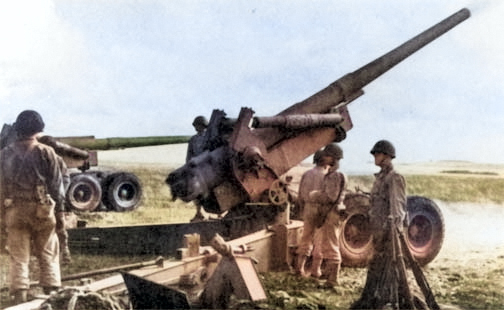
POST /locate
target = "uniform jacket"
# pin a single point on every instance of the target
(388, 197)
(311, 180)
(26, 164)
(196, 145)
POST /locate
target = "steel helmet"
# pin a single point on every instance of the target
(317, 156)
(200, 120)
(28, 123)
(334, 151)
(384, 147)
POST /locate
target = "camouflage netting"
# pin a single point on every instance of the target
(74, 299)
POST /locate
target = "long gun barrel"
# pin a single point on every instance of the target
(345, 87)
(258, 150)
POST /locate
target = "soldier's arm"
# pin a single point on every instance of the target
(333, 192)
(55, 185)
(190, 150)
(397, 194)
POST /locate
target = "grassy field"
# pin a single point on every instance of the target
(473, 285)
(157, 206)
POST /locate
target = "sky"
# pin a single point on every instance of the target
(147, 68)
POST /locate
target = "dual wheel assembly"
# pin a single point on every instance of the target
(424, 234)
(93, 191)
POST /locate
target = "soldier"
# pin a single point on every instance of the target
(197, 142)
(330, 200)
(310, 181)
(387, 213)
(196, 146)
(32, 194)
(7, 136)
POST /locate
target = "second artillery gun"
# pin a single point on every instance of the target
(242, 171)
(92, 189)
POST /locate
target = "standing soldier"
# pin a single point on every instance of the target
(32, 193)
(311, 180)
(8, 136)
(387, 213)
(196, 146)
(330, 200)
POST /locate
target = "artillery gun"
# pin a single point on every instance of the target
(244, 165)
(95, 189)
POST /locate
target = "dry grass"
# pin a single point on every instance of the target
(454, 188)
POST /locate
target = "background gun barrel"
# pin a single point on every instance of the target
(343, 88)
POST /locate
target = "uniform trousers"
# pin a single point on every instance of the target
(24, 232)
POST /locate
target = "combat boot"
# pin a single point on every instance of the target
(300, 264)
(20, 296)
(333, 270)
(316, 271)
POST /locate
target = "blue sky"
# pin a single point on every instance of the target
(142, 68)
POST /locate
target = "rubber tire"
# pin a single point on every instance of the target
(356, 242)
(122, 192)
(84, 193)
(426, 229)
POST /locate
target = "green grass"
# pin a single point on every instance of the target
(157, 206)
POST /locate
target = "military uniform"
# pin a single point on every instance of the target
(333, 195)
(388, 200)
(387, 212)
(311, 180)
(331, 198)
(196, 145)
(31, 191)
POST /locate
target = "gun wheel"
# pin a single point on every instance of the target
(425, 232)
(356, 239)
(278, 194)
(122, 192)
(84, 193)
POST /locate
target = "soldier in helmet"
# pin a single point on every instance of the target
(32, 195)
(196, 146)
(330, 201)
(310, 181)
(387, 212)
(8, 135)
